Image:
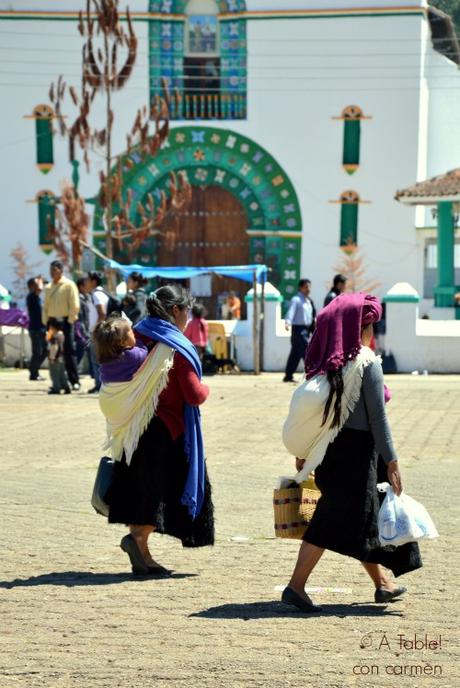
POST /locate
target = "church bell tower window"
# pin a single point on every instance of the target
(199, 49)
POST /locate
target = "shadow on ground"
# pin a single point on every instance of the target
(266, 610)
(71, 579)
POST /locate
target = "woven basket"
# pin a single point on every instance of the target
(286, 503)
(308, 501)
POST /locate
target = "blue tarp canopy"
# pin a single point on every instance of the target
(242, 272)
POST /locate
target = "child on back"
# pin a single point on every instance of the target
(55, 339)
(197, 329)
(118, 351)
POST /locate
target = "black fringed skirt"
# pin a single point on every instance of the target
(149, 490)
(345, 519)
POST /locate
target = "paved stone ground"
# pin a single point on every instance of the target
(72, 616)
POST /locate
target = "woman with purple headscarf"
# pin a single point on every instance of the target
(337, 426)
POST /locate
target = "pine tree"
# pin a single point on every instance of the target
(22, 269)
(352, 265)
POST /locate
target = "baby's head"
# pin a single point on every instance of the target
(112, 337)
(53, 327)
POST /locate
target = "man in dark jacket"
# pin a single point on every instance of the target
(300, 319)
(36, 327)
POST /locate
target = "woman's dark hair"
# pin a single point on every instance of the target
(95, 277)
(335, 379)
(161, 302)
(338, 279)
(198, 310)
(109, 337)
(129, 300)
(54, 323)
(137, 277)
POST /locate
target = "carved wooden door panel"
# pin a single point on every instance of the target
(211, 232)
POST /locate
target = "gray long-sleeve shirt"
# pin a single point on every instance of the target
(370, 413)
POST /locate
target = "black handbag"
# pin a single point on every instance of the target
(104, 477)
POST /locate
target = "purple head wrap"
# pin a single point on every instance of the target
(337, 338)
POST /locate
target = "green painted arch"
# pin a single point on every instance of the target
(213, 156)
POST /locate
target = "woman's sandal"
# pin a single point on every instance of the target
(129, 545)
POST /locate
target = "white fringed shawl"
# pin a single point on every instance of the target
(130, 406)
(303, 434)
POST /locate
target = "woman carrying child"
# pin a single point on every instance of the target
(151, 391)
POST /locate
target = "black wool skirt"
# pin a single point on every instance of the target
(345, 519)
(149, 490)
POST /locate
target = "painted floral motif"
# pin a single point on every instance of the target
(201, 174)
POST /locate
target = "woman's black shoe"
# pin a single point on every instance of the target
(289, 596)
(129, 545)
(381, 595)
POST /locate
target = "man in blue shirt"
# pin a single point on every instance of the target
(36, 328)
(300, 319)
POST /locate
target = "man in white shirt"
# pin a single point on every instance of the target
(300, 319)
(97, 307)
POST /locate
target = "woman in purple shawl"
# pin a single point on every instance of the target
(345, 519)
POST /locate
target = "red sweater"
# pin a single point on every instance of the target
(184, 386)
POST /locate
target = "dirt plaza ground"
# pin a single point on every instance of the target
(73, 616)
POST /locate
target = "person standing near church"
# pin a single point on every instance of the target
(339, 285)
(98, 306)
(62, 303)
(36, 328)
(300, 320)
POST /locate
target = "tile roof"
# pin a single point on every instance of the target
(442, 186)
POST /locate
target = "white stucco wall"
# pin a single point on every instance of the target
(419, 345)
(301, 73)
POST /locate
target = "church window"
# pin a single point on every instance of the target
(351, 116)
(43, 116)
(199, 49)
(46, 201)
(349, 201)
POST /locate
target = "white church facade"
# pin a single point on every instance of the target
(295, 120)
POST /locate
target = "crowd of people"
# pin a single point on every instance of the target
(63, 317)
(76, 308)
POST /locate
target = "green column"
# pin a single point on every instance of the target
(445, 288)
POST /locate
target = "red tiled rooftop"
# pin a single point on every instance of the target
(442, 186)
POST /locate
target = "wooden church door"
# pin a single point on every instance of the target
(212, 231)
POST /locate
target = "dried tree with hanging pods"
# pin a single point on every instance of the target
(108, 58)
(70, 227)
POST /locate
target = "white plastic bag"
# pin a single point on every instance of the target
(403, 519)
